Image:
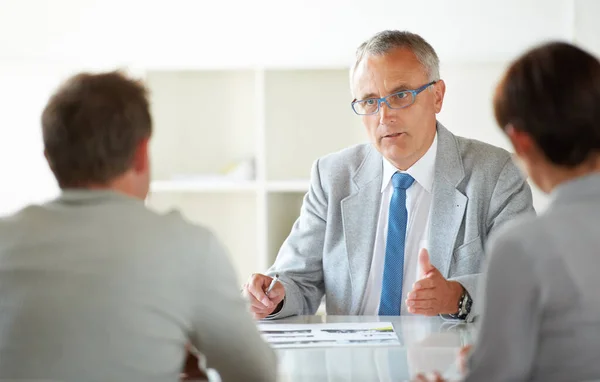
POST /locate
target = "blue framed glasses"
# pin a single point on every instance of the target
(398, 100)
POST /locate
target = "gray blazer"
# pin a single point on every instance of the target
(96, 287)
(329, 250)
(541, 316)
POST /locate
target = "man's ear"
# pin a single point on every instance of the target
(141, 159)
(521, 141)
(439, 90)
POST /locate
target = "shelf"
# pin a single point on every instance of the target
(288, 186)
(202, 186)
(293, 186)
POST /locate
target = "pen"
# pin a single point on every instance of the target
(272, 284)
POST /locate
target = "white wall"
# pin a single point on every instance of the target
(43, 41)
(23, 94)
(268, 32)
(586, 26)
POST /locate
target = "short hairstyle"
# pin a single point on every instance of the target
(92, 126)
(385, 41)
(552, 92)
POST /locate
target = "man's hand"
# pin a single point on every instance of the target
(436, 378)
(191, 368)
(433, 294)
(463, 357)
(261, 304)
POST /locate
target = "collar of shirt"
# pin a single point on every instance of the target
(422, 171)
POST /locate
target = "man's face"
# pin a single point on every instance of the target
(402, 136)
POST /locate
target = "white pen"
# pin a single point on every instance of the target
(272, 284)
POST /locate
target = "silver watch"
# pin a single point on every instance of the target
(464, 306)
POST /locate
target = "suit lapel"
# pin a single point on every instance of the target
(360, 212)
(448, 204)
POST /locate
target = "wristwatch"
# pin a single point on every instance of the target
(464, 306)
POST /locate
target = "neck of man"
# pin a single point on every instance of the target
(124, 184)
(408, 162)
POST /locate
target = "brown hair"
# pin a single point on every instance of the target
(552, 93)
(92, 126)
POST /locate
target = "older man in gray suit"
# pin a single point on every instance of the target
(396, 226)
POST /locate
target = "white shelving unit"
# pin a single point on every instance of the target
(300, 185)
(202, 186)
(279, 120)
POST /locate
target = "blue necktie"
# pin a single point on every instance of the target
(393, 270)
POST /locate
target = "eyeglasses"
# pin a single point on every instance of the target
(398, 100)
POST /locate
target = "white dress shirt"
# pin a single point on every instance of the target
(418, 203)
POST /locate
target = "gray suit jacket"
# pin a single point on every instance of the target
(329, 250)
(541, 316)
(96, 287)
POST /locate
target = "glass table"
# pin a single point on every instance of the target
(426, 344)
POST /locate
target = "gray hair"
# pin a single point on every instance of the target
(385, 41)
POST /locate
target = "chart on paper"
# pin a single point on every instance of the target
(329, 335)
